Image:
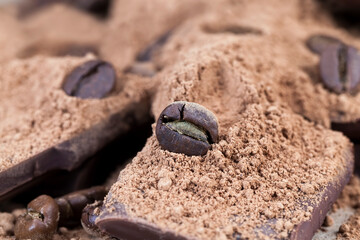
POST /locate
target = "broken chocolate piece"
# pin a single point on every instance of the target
(118, 224)
(99, 8)
(115, 221)
(148, 53)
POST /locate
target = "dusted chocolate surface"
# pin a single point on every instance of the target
(246, 61)
(267, 159)
(37, 114)
(273, 47)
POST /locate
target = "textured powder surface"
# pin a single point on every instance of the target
(267, 160)
(36, 113)
(49, 33)
(274, 36)
(244, 60)
(133, 24)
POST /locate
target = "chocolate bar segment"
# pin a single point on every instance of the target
(117, 223)
(70, 154)
(114, 220)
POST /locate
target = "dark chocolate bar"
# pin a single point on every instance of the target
(115, 221)
(70, 154)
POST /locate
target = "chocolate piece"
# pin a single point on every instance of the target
(99, 8)
(92, 79)
(216, 28)
(40, 221)
(146, 69)
(147, 54)
(115, 221)
(118, 224)
(69, 154)
(188, 128)
(57, 49)
(349, 129)
(340, 68)
(318, 43)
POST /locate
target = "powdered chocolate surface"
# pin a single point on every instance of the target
(272, 36)
(267, 159)
(36, 113)
(244, 60)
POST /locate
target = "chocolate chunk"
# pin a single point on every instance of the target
(55, 49)
(118, 224)
(114, 220)
(349, 129)
(146, 54)
(99, 8)
(93, 79)
(70, 154)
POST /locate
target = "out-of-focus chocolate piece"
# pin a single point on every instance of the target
(99, 8)
(349, 129)
(148, 53)
(57, 49)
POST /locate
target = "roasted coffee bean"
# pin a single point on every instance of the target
(186, 127)
(319, 43)
(72, 204)
(40, 221)
(340, 68)
(92, 79)
(44, 213)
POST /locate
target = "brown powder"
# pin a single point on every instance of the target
(136, 24)
(250, 77)
(36, 113)
(12, 36)
(272, 37)
(49, 31)
(267, 160)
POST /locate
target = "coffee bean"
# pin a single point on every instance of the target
(44, 213)
(340, 68)
(186, 127)
(93, 79)
(319, 43)
(40, 221)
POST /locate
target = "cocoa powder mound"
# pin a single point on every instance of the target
(275, 35)
(36, 113)
(267, 163)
